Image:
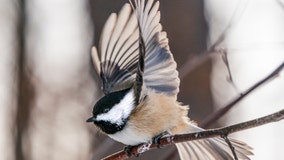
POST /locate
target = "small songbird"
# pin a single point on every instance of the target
(140, 83)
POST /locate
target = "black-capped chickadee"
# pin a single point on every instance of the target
(140, 82)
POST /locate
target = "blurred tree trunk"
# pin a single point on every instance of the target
(9, 20)
(25, 90)
(58, 42)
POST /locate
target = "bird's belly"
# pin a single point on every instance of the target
(129, 136)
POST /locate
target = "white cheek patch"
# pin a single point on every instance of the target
(120, 111)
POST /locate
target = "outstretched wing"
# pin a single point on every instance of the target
(160, 71)
(119, 51)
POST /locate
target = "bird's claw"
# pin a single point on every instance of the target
(127, 150)
(156, 139)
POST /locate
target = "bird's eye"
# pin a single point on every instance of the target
(106, 110)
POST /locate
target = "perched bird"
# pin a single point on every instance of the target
(140, 83)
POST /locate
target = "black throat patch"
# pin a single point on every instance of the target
(110, 128)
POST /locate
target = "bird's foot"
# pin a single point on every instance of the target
(127, 150)
(156, 139)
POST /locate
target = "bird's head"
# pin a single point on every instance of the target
(111, 112)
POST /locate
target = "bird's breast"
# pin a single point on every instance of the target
(131, 136)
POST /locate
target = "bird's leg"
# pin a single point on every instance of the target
(156, 139)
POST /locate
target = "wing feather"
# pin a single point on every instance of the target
(106, 34)
(116, 35)
(96, 60)
(126, 41)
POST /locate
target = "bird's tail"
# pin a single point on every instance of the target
(212, 149)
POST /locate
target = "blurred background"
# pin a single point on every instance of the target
(48, 85)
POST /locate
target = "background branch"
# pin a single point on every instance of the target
(218, 114)
(169, 140)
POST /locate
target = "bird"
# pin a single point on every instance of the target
(139, 79)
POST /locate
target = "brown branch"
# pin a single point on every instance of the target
(223, 132)
(25, 89)
(218, 114)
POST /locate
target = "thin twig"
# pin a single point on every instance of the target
(218, 114)
(227, 140)
(169, 140)
(230, 76)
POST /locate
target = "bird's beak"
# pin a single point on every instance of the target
(91, 119)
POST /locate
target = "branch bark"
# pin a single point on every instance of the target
(223, 132)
